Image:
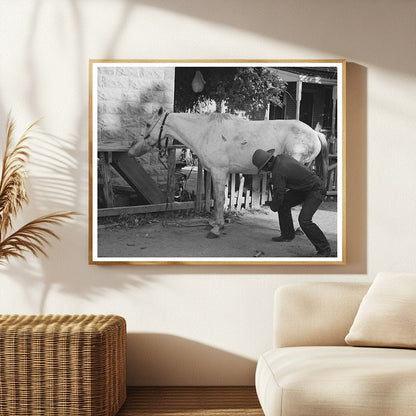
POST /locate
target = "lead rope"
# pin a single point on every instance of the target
(162, 150)
(162, 153)
(159, 139)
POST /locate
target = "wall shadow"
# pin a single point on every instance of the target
(168, 360)
(320, 25)
(56, 184)
(52, 186)
(38, 284)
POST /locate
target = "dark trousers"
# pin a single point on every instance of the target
(310, 203)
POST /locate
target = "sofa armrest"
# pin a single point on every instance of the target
(309, 314)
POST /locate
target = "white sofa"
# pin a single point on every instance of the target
(311, 371)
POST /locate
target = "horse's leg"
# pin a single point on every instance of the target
(219, 178)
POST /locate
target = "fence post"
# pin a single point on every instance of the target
(264, 190)
(171, 175)
(255, 192)
(232, 193)
(240, 193)
(105, 158)
(207, 191)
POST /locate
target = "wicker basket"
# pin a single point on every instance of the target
(71, 365)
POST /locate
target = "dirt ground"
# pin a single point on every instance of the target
(246, 234)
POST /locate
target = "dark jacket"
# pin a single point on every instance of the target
(288, 173)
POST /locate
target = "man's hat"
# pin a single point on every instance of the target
(261, 157)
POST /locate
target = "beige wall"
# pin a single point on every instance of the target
(204, 325)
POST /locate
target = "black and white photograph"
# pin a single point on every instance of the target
(209, 162)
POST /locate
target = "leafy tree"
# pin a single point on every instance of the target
(248, 89)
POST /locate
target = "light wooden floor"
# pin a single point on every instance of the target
(191, 401)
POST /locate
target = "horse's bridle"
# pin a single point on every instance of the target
(159, 139)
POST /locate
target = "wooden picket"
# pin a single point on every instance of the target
(239, 195)
(242, 196)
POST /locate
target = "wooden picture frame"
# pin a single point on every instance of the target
(154, 208)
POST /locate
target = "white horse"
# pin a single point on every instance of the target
(225, 144)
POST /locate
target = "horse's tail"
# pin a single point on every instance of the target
(322, 160)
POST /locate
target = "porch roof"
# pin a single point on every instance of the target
(322, 76)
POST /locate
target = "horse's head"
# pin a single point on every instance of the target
(151, 131)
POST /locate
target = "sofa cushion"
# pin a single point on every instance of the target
(387, 314)
(342, 381)
(315, 314)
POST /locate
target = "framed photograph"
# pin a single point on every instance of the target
(217, 162)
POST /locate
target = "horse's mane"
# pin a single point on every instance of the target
(212, 117)
(219, 117)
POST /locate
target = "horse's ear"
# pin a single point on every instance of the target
(160, 112)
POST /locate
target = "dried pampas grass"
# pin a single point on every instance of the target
(34, 236)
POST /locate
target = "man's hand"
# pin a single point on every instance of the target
(278, 196)
(275, 204)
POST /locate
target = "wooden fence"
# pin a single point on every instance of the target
(242, 191)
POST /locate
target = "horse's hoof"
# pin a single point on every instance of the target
(299, 231)
(212, 235)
